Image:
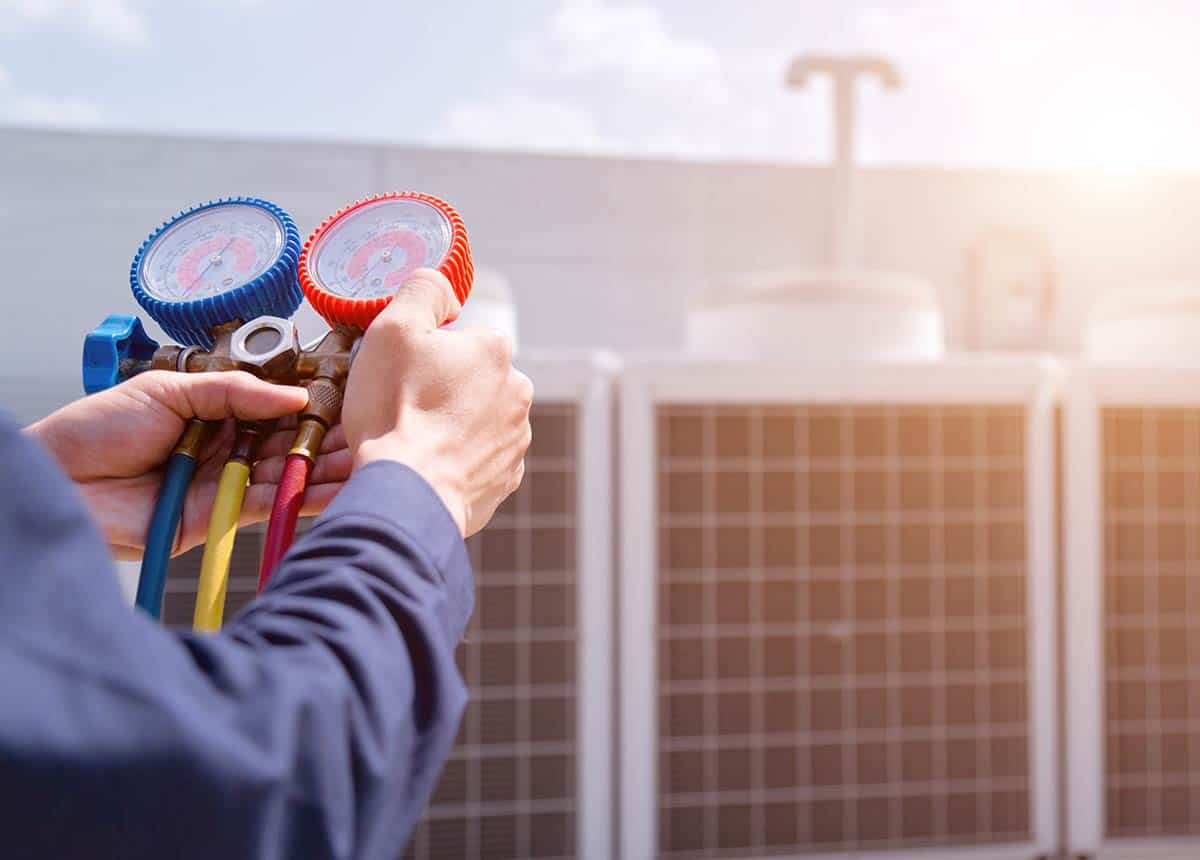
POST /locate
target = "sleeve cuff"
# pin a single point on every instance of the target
(398, 495)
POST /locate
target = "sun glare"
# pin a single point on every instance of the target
(1116, 123)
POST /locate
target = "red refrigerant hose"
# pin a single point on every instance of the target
(289, 498)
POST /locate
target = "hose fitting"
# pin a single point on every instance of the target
(192, 439)
(323, 410)
(245, 443)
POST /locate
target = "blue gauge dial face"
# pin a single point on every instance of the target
(368, 252)
(211, 251)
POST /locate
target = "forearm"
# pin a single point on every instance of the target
(361, 622)
(389, 526)
(314, 725)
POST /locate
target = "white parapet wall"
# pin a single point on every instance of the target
(605, 252)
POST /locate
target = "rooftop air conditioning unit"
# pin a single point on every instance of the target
(1132, 595)
(837, 585)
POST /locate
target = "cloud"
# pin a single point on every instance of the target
(36, 109)
(588, 39)
(1093, 84)
(39, 109)
(521, 121)
(116, 21)
(613, 76)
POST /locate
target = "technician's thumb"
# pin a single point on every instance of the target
(236, 394)
(424, 302)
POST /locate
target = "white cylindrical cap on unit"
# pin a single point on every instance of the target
(491, 304)
(818, 314)
(1160, 322)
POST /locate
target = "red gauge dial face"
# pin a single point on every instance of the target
(359, 258)
(212, 251)
(369, 251)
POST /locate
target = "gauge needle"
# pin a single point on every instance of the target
(211, 260)
(357, 285)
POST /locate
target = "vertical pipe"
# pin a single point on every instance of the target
(841, 252)
(844, 72)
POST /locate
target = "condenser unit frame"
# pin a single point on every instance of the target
(647, 385)
(587, 382)
(1090, 388)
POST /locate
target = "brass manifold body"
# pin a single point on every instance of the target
(268, 347)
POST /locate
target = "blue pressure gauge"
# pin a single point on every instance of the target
(229, 259)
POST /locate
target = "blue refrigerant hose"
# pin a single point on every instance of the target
(160, 537)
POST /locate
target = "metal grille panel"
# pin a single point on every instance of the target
(509, 788)
(842, 628)
(1152, 605)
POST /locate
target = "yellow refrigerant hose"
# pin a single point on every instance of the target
(218, 547)
(222, 531)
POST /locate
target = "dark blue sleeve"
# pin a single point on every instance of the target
(313, 725)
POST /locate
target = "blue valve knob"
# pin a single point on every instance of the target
(114, 343)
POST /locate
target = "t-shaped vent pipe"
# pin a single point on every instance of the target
(842, 251)
(835, 312)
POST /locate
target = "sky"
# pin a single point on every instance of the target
(1078, 85)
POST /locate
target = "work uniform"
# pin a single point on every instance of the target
(313, 725)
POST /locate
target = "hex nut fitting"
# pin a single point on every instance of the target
(266, 346)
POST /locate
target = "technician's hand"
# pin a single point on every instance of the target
(449, 404)
(113, 445)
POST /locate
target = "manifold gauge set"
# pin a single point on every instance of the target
(223, 280)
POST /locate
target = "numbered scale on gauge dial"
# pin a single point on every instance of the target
(216, 263)
(212, 251)
(356, 261)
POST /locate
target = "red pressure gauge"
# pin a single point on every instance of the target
(352, 264)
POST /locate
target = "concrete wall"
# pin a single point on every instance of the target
(600, 252)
